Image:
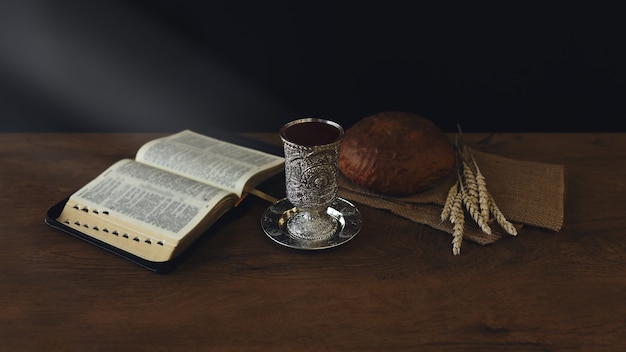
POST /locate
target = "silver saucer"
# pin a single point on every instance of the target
(275, 218)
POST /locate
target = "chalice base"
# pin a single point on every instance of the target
(312, 226)
(288, 226)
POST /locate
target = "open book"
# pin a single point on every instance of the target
(176, 187)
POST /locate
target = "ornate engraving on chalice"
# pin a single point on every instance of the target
(312, 179)
(311, 164)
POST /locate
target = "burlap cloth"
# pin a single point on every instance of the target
(527, 193)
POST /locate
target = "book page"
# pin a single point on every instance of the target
(208, 160)
(158, 201)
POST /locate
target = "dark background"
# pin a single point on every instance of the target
(163, 66)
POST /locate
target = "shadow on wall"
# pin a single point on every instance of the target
(108, 67)
(163, 66)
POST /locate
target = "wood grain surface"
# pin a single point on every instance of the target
(396, 286)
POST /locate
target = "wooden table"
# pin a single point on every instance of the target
(396, 286)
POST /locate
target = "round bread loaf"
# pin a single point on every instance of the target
(395, 153)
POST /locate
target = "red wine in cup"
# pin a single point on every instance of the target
(312, 133)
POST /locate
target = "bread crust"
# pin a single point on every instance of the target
(396, 153)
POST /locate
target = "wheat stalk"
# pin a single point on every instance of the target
(500, 219)
(470, 181)
(457, 218)
(447, 207)
(483, 194)
(471, 204)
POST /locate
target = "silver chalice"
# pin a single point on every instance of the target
(311, 216)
